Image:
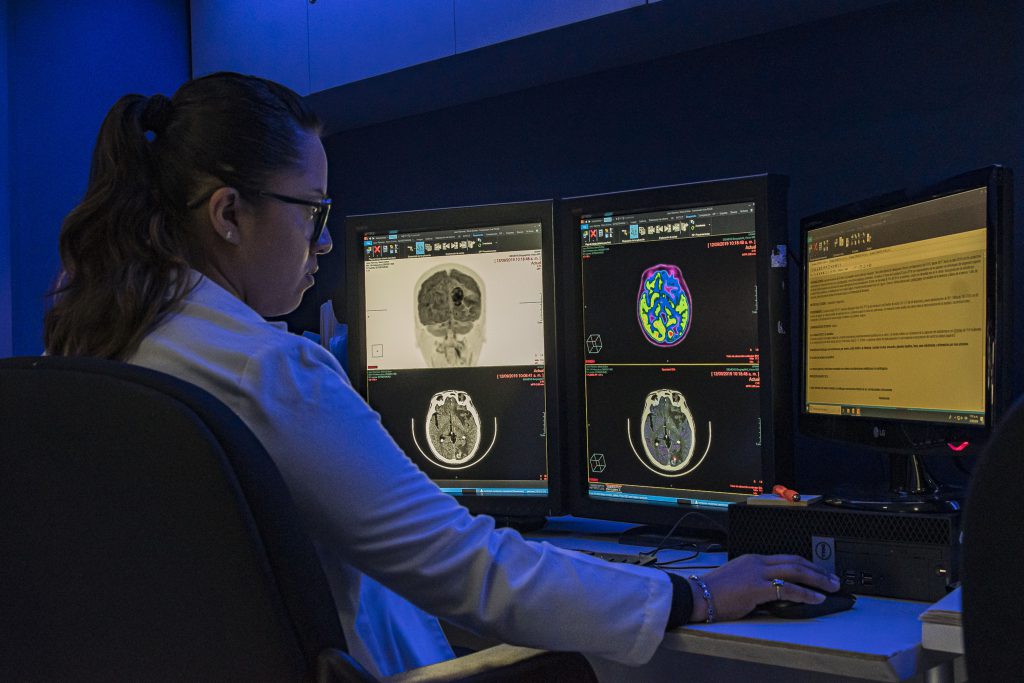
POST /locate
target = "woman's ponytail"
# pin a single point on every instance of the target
(119, 259)
(127, 248)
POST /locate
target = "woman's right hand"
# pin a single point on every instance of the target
(740, 585)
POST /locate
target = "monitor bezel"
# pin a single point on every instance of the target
(768, 192)
(917, 436)
(505, 509)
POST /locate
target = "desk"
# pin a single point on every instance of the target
(942, 632)
(879, 639)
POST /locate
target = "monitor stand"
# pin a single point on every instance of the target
(912, 489)
(521, 524)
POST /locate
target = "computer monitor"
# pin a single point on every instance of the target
(452, 341)
(906, 329)
(679, 369)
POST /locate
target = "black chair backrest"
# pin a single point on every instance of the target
(146, 535)
(993, 558)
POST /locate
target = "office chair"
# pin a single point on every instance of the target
(993, 556)
(147, 535)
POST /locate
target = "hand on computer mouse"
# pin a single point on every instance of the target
(787, 609)
(740, 585)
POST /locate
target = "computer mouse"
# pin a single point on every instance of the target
(787, 609)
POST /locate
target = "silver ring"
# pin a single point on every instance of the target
(778, 583)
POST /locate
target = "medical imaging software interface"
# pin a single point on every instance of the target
(895, 311)
(672, 373)
(455, 353)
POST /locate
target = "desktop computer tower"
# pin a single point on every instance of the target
(887, 554)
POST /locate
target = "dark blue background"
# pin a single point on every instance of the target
(901, 95)
(67, 63)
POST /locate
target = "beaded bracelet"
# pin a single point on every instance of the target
(707, 597)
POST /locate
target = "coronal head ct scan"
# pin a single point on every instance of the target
(455, 310)
(449, 316)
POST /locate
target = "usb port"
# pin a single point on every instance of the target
(867, 579)
(850, 578)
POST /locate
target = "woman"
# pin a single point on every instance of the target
(206, 213)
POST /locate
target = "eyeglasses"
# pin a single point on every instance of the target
(320, 209)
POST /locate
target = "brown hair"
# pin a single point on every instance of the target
(126, 248)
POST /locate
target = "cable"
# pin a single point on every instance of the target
(696, 550)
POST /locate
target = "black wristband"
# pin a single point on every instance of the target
(682, 602)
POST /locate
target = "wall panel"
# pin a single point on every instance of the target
(67, 64)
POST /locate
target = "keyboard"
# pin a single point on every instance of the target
(622, 558)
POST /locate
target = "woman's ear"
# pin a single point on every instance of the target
(223, 210)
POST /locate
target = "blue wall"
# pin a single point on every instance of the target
(68, 62)
(903, 94)
(5, 193)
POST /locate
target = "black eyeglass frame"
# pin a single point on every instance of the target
(323, 207)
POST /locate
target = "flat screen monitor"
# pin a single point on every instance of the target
(905, 324)
(452, 342)
(680, 366)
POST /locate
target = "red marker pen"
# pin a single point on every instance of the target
(782, 492)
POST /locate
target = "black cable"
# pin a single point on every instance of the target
(679, 560)
(661, 544)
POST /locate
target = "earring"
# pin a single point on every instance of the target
(229, 235)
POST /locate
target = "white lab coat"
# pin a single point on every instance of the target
(372, 513)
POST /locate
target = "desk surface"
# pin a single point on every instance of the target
(879, 639)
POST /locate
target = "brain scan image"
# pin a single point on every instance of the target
(450, 316)
(667, 430)
(663, 306)
(453, 427)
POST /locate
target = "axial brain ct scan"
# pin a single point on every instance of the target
(453, 427)
(667, 428)
(663, 305)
